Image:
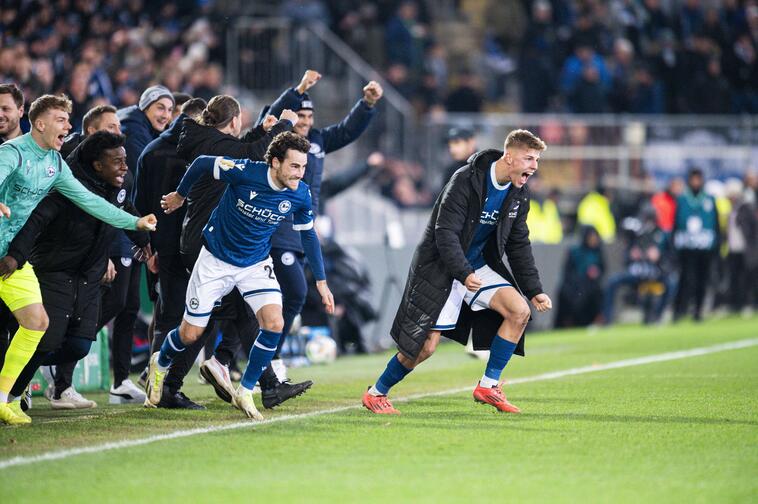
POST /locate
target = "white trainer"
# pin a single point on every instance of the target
(243, 400)
(217, 375)
(126, 393)
(71, 399)
(280, 370)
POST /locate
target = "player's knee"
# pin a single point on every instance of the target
(521, 315)
(35, 319)
(272, 322)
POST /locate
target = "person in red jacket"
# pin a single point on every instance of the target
(664, 203)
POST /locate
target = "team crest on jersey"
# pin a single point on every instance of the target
(253, 194)
(121, 196)
(285, 206)
(50, 171)
(194, 303)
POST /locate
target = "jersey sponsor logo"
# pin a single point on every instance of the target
(288, 258)
(285, 206)
(194, 303)
(263, 215)
(253, 194)
(28, 191)
(121, 196)
(51, 171)
(489, 218)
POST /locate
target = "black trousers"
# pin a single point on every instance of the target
(122, 301)
(173, 278)
(695, 270)
(290, 272)
(74, 348)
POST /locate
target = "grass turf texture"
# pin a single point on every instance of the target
(678, 431)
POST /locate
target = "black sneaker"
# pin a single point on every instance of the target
(178, 401)
(274, 396)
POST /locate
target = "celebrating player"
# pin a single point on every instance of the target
(238, 240)
(479, 217)
(30, 166)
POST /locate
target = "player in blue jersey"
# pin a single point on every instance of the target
(236, 254)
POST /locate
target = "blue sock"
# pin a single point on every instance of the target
(260, 357)
(170, 348)
(391, 376)
(500, 353)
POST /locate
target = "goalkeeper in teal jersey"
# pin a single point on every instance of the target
(30, 166)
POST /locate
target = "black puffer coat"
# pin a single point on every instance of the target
(440, 258)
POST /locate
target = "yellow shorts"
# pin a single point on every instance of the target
(20, 289)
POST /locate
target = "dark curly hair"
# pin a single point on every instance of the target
(282, 143)
(93, 146)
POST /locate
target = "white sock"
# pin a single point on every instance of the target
(487, 382)
(162, 369)
(243, 390)
(373, 391)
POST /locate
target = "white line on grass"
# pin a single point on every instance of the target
(648, 359)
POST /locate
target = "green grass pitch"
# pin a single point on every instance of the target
(683, 430)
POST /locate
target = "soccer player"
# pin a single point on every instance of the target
(30, 166)
(479, 217)
(11, 112)
(238, 240)
(285, 249)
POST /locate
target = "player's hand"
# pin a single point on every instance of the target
(375, 159)
(310, 78)
(147, 223)
(152, 264)
(326, 296)
(110, 273)
(171, 202)
(473, 282)
(372, 93)
(289, 115)
(4, 210)
(8, 265)
(542, 302)
(268, 122)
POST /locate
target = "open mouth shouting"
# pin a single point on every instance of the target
(525, 176)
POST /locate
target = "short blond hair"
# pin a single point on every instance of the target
(524, 139)
(47, 102)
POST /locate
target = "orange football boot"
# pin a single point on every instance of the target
(494, 396)
(378, 404)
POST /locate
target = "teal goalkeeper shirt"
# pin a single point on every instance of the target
(28, 172)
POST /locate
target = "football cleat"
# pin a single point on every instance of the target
(126, 393)
(217, 375)
(154, 385)
(15, 407)
(379, 404)
(273, 397)
(494, 397)
(243, 400)
(9, 417)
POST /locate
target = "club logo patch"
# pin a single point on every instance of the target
(288, 258)
(285, 206)
(194, 303)
(126, 261)
(121, 196)
(50, 171)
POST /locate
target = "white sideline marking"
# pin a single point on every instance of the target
(638, 361)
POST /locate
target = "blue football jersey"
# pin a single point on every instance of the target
(494, 199)
(252, 207)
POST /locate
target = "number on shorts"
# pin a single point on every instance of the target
(270, 272)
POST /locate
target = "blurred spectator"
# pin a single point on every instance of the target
(648, 263)
(585, 81)
(664, 203)
(581, 291)
(742, 239)
(11, 110)
(544, 219)
(405, 36)
(540, 56)
(466, 96)
(305, 11)
(403, 183)
(461, 144)
(696, 239)
(595, 210)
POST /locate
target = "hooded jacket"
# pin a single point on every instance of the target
(440, 258)
(199, 140)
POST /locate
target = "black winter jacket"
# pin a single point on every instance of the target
(440, 258)
(159, 170)
(198, 140)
